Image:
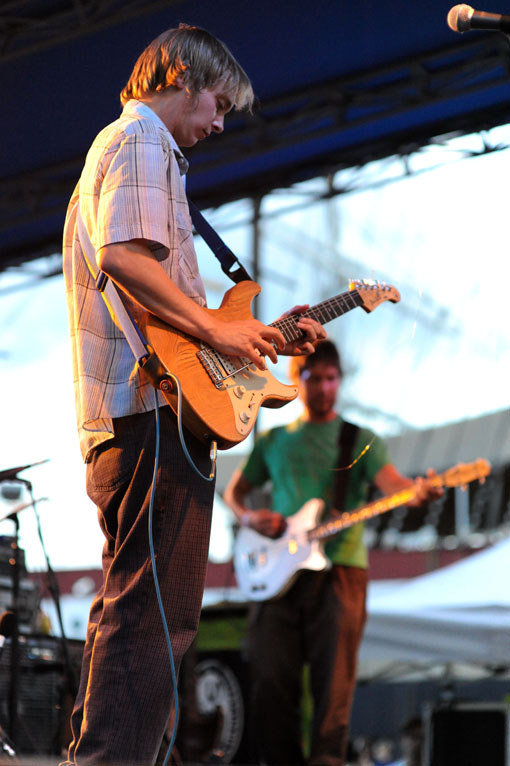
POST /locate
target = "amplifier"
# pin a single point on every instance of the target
(42, 690)
(467, 733)
(29, 600)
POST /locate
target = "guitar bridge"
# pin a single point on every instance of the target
(218, 367)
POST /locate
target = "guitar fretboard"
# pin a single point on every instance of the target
(322, 313)
(349, 518)
(454, 477)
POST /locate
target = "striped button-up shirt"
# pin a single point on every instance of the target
(130, 188)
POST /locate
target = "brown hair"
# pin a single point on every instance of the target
(199, 58)
(325, 351)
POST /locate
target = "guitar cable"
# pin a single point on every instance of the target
(158, 589)
(158, 377)
(214, 444)
(151, 541)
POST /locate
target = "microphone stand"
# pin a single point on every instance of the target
(7, 621)
(13, 686)
(55, 594)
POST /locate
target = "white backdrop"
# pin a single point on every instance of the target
(460, 613)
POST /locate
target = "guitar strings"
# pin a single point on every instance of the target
(288, 325)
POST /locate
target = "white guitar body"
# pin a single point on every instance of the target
(265, 568)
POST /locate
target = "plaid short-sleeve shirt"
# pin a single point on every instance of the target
(131, 187)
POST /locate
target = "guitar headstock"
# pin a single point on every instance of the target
(373, 293)
(463, 473)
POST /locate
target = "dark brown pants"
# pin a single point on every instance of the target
(318, 621)
(125, 694)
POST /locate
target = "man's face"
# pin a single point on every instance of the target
(202, 115)
(319, 386)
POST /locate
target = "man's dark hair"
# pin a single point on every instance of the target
(325, 352)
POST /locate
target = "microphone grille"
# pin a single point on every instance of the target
(459, 17)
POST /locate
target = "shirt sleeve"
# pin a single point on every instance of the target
(133, 201)
(255, 468)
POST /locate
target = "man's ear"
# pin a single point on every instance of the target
(179, 82)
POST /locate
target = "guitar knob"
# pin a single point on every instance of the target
(239, 391)
(244, 417)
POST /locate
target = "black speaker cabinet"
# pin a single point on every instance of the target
(42, 689)
(467, 734)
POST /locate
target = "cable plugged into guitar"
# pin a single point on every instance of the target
(168, 383)
(167, 386)
(156, 372)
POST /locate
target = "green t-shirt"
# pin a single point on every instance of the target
(299, 459)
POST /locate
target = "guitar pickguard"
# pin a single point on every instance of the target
(248, 390)
(246, 385)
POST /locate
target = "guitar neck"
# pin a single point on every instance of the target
(349, 518)
(322, 312)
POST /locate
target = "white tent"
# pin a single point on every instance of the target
(460, 613)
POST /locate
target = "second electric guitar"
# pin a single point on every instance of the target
(265, 568)
(222, 394)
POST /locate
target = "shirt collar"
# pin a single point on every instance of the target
(135, 107)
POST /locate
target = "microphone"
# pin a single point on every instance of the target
(463, 18)
(11, 514)
(11, 474)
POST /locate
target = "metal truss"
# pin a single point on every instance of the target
(334, 111)
(353, 114)
(29, 26)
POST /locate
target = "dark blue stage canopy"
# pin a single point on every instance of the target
(339, 83)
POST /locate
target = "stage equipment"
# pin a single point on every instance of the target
(11, 474)
(467, 733)
(463, 18)
(42, 693)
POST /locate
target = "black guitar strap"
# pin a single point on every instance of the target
(346, 439)
(230, 264)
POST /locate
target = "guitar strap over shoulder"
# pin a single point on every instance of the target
(112, 296)
(346, 438)
(222, 252)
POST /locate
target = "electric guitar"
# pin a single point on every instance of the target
(222, 394)
(265, 568)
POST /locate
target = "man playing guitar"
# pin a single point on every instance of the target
(129, 218)
(319, 619)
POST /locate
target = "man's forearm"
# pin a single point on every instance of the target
(234, 496)
(133, 267)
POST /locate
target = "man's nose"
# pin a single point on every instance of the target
(217, 124)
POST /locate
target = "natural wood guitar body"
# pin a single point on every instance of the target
(222, 395)
(226, 414)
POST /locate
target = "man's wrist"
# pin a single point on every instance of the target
(245, 518)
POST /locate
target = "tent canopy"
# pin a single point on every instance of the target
(460, 613)
(338, 84)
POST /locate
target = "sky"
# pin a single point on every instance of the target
(438, 356)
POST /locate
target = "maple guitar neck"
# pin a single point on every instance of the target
(322, 312)
(454, 477)
(348, 519)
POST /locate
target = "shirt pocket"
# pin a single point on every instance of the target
(188, 265)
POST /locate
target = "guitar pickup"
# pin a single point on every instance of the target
(257, 559)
